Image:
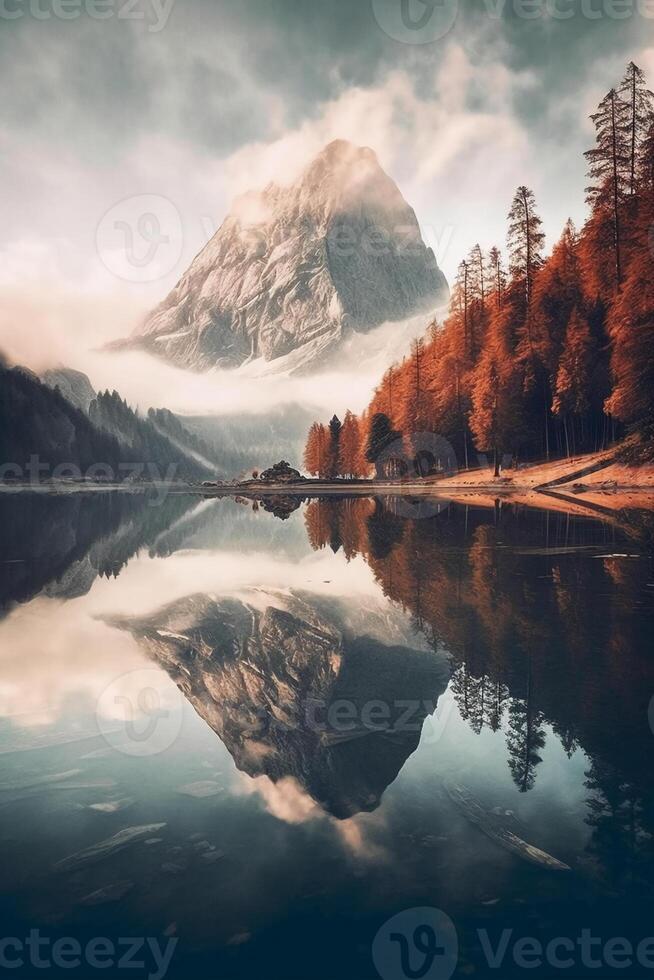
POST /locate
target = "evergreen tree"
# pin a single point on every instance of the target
(525, 241)
(640, 103)
(381, 436)
(352, 464)
(609, 166)
(334, 453)
(574, 377)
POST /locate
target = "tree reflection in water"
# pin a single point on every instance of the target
(548, 619)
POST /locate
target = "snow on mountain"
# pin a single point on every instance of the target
(294, 271)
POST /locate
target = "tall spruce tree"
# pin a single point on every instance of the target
(609, 165)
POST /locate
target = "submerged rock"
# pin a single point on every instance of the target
(105, 848)
(475, 813)
(202, 789)
(112, 806)
(110, 893)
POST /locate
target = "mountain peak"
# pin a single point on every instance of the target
(343, 153)
(293, 269)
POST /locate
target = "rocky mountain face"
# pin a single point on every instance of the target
(294, 270)
(73, 385)
(270, 673)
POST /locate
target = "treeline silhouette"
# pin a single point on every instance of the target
(40, 428)
(537, 357)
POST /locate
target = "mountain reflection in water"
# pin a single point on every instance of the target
(348, 663)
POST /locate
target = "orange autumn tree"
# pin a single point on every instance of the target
(496, 391)
(556, 356)
(574, 376)
(352, 462)
(316, 451)
(631, 326)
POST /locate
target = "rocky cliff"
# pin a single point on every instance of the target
(293, 270)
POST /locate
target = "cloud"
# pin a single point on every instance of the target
(436, 141)
(232, 95)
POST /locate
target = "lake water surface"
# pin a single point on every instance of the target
(317, 715)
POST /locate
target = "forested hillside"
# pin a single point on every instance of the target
(43, 435)
(538, 356)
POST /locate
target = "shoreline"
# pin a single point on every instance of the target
(518, 492)
(591, 483)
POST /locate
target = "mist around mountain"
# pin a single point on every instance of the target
(294, 271)
(206, 446)
(245, 441)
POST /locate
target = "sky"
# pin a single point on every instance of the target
(116, 110)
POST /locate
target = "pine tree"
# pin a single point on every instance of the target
(557, 290)
(496, 276)
(525, 240)
(646, 162)
(477, 288)
(381, 436)
(350, 447)
(463, 301)
(640, 103)
(334, 450)
(525, 739)
(609, 163)
(494, 419)
(478, 271)
(574, 377)
(415, 409)
(632, 358)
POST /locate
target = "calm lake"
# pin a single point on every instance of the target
(309, 717)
